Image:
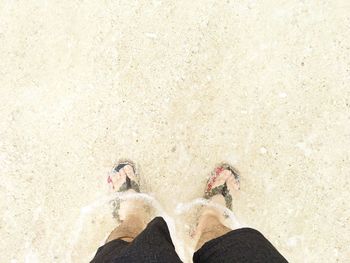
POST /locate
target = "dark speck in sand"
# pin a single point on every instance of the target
(173, 149)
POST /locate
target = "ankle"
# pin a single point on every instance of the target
(208, 221)
(134, 221)
(210, 227)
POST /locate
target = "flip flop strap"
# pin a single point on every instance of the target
(129, 184)
(223, 190)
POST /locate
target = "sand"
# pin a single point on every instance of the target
(176, 86)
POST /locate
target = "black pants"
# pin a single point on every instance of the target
(154, 245)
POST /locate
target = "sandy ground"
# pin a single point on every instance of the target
(177, 86)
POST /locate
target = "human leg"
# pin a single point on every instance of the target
(222, 184)
(137, 238)
(217, 243)
(132, 213)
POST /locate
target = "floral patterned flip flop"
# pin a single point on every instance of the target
(221, 189)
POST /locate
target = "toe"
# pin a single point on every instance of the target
(115, 177)
(220, 179)
(129, 171)
(122, 172)
(118, 179)
(233, 183)
(226, 174)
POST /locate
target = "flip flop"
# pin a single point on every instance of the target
(127, 185)
(221, 189)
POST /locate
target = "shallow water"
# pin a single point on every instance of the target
(185, 215)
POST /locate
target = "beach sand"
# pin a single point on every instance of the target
(177, 87)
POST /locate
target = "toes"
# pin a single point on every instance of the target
(233, 182)
(129, 171)
(226, 174)
(223, 176)
(122, 172)
(115, 177)
(220, 180)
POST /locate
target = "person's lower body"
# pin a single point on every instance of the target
(154, 245)
(136, 241)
